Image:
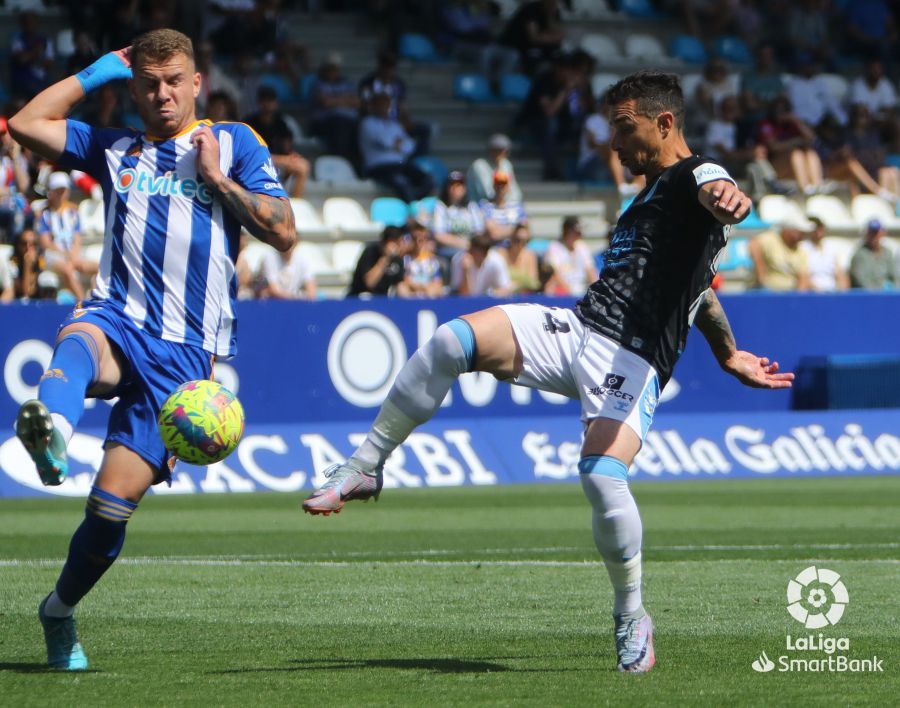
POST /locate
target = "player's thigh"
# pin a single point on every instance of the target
(498, 350)
(606, 436)
(111, 363)
(124, 473)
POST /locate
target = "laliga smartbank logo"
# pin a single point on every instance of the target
(817, 598)
(167, 185)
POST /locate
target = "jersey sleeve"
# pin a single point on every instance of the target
(706, 171)
(43, 223)
(85, 147)
(252, 166)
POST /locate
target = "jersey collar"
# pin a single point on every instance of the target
(184, 131)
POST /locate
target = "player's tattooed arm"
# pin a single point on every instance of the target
(746, 367)
(270, 219)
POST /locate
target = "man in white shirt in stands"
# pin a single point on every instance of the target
(812, 99)
(826, 274)
(571, 260)
(288, 275)
(480, 270)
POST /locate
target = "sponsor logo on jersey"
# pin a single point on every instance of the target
(270, 169)
(167, 185)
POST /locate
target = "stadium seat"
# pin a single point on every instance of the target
(837, 85)
(280, 85)
(689, 49)
(639, 8)
(434, 166)
(776, 208)
(92, 218)
(473, 88)
(389, 211)
(689, 83)
(752, 221)
(306, 82)
(831, 210)
(422, 209)
(737, 255)
(93, 252)
(587, 9)
(538, 245)
(317, 257)
(334, 169)
(348, 217)
(601, 47)
(734, 50)
(254, 253)
(514, 87)
(417, 47)
(644, 47)
(892, 161)
(307, 220)
(868, 206)
(601, 82)
(345, 254)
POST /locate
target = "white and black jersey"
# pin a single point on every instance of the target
(662, 257)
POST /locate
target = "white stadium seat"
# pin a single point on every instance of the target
(601, 82)
(868, 206)
(601, 47)
(644, 47)
(345, 254)
(317, 256)
(349, 218)
(254, 253)
(776, 208)
(831, 210)
(307, 220)
(93, 220)
(334, 169)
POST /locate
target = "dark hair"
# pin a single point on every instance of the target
(482, 242)
(390, 233)
(653, 92)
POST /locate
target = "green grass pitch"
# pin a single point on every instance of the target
(470, 597)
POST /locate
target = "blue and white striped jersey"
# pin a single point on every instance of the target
(62, 225)
(169, 248)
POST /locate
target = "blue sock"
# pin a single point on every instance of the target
(95, 545)
(73, 369)
(465, 334)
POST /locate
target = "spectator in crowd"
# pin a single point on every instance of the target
(421, 268)
(252, 27)
(876, 92)
(521, 261)
(7, 282)
(778, 261)
(105, 108)
(27, 265)
(826, 274)
(762, 175)
(220, 106)
(870, 29)
(30, 58)
(386, 149)
(597, 160)
(866, 158)
(468, 27)
(480, 175)
(384, 80)
(500, 214)
(245, 75)
(813, 102)
(456, 219)
(271, 125)
(873, 266)
(761, 85)
(556, 106)
(59, 234)
(14, 184)
(247, 277)
(571, 260)
(789, 145)
(287, 275)
(84, 55)
(536, 31)
(808, 33)
(335, 109)
(380, 266)
(213, 79)
(705, 18)
(721, 141)
(480, 270)
(715, 85)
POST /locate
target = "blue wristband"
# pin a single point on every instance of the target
(107, 68)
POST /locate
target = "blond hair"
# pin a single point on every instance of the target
(159, 45)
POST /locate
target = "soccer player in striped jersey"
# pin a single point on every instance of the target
(176, 196)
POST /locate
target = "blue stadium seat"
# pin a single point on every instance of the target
(514, 87)
(538, 245)
(389, 211)
(282, 87)
(426, 205)
(639, 8)
(753, 221)
(306, 83)
(434, 166)
(733, 49)
(892, 160)
(418, 48)
(687, 48)
(737, 255)
(473, 88)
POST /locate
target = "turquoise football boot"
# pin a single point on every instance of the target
(44, 443)
(64, 651)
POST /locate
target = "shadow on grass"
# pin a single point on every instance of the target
(24, 667)
(439, 666)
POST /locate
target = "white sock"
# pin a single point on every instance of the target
(63, 426)
(54, 607)
(417, 393)
(618, 534)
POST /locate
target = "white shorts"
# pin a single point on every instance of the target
(561, 355)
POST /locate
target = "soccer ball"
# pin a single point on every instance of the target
(201, 422)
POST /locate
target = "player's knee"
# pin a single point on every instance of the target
(453, 346)
(604, 480)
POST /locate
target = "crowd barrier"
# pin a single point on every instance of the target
(311, 375)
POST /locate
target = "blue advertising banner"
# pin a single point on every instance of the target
(457, 452)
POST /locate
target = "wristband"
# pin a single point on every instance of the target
(107, 68)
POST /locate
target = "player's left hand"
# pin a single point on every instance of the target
(729, 202)
(755, 371)
(207, 148)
